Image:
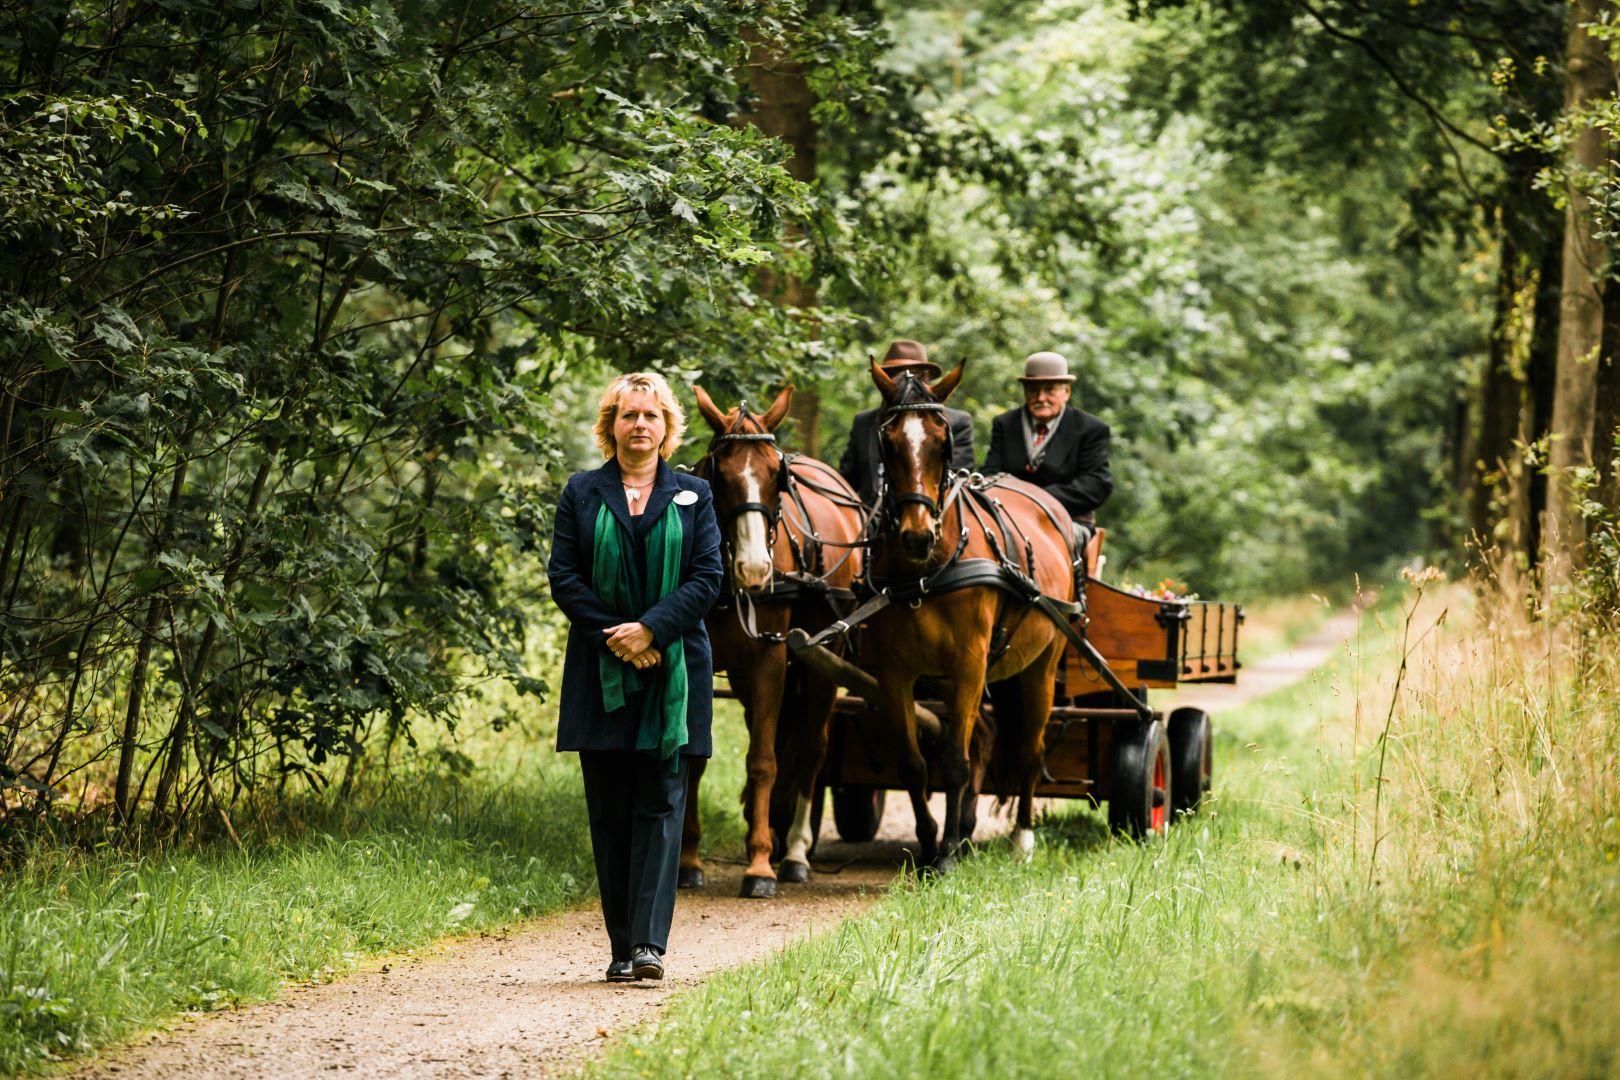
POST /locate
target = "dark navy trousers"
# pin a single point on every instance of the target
(636, 810)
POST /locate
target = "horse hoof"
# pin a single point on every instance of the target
(1024, 844)
(944, 865)
(793, 872)
(691, 877)
(758, 888)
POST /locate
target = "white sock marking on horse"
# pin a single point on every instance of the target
(1024, 842)
(751, 564)
(799, 834)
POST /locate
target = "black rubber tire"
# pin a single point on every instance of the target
(1191, 759)
(858, 811)
(1142, 788)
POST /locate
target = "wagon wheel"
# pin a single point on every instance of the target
(1191, 758)
(857, 811)
(1140, 799)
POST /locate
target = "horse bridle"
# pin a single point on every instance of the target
(773, 514)
(890, 502)
(785, 491)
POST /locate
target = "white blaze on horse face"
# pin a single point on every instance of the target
(750, 541)
(916, 435)
(798, 848)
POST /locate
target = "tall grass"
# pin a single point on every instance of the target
(94, 946)
(99, 942)
(1266, 937)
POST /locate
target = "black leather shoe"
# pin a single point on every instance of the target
(646, 963)
(621, 971)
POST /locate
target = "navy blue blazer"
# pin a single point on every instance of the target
(582, 724)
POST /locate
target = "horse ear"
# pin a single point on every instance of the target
(711, 412)
(885, 382)
(779, 409)
(946, 386)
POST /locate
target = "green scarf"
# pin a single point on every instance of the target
(663, 708)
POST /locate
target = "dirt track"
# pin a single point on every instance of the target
(532, 1001)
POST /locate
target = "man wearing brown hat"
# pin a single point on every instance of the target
(862, 464)
(1051, 444)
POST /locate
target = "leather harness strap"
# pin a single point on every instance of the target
(985, 573)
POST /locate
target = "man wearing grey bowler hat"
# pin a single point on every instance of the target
(1051, 444)
(862, 463)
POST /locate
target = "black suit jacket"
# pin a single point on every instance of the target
(1075, 467)
(582, 724)
(861, 459)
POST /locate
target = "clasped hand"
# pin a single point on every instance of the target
(633, 643)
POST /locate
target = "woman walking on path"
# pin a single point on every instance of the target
(635, 565)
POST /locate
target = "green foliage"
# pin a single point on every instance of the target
(287, 290)
(1278, 364)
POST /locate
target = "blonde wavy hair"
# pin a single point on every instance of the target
(646, 382)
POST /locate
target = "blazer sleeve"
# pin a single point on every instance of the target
(849, 466)
(996, 460)
(1090, 483)
(567, 570)
(682, 610)
(962, 441)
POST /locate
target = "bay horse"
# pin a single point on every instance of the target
(928, 520)
(789, 528)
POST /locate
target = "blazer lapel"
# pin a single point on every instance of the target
(608, 480)
(1017, 451)
(1067, 435)
(663, 489)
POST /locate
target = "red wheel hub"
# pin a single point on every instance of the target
(1161, 802)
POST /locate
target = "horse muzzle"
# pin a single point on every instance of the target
(917, 543)
(751, 574)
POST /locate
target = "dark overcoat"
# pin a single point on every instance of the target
(1074, 468)
(862, 456)
(583, 724)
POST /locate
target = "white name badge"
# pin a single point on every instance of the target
(685, 498)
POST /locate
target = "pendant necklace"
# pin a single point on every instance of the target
(633, 491)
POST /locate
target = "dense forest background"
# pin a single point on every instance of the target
(304, 308)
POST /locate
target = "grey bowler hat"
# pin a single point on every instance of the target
(1046, 367)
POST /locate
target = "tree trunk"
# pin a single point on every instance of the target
(129, 741)
(1589, 77)
(782, 110)
(1489, 450)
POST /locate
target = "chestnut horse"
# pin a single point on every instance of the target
(928, 519)
(789, 525)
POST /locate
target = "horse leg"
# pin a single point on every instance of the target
(812, 712)
(963, 697)
(761, 690)
(895, 697)
(1035, 689)
(691, 872)
(980, 748)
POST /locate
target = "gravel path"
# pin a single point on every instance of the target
(531, 1001)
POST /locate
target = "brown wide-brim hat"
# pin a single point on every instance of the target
(1044, 367)
(904, 355)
